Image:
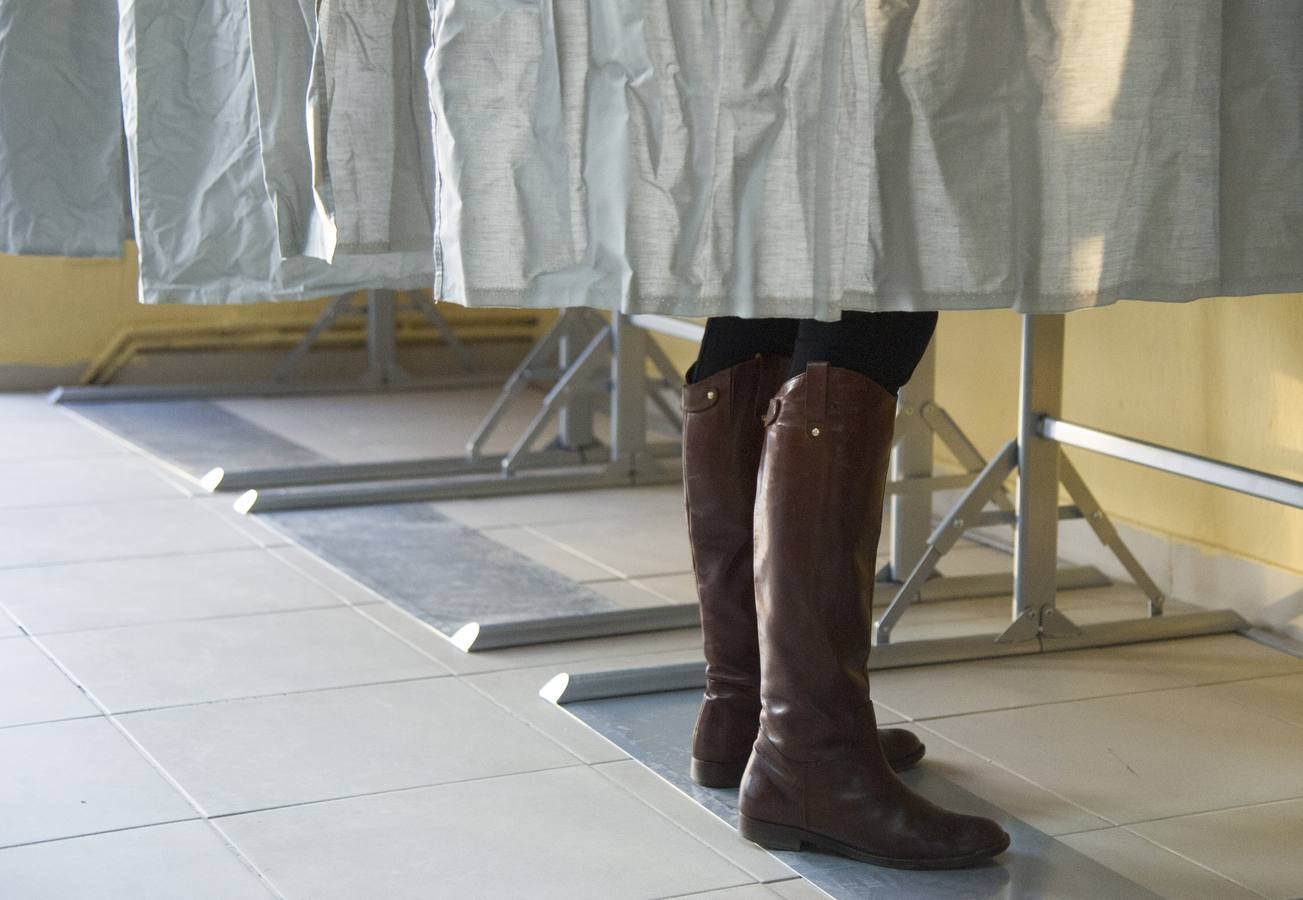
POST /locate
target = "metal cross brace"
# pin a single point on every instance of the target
(1042, 468)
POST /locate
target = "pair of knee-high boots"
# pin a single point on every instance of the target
(784, 481)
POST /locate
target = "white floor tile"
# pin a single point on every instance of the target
(1017, 796)
(517, 690)
(325, 574)
(253, 526)
(180, 663)
(567, 833)
(1139, 757)
(745, 892)
(110, 593)
(8, 627)
(1256, 846)
(680, 588)
(1153, 867)
(634, 548)
(27, 406)
(945, 690)
(32, 689)
(630, 594)
(708, 828)
(533, 545)
(186, 859)
(1280, 698)
(78, 777)
(57, 534)
(60, 482)
(574, 506)
(62, 437)
(798, 889)
(246, 755)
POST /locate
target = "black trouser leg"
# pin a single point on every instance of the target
(730, 340)
(885, 346)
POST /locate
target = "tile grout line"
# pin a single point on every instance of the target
(135, 557)
(248, 698)
(576, 552)
(135, 448)
(405, 789)
(1003, 768)
(681, 826)
(159, 769)
(215, 617)
(511, 711)
(1193, 862)
(1109, 696)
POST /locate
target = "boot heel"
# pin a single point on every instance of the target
(716, 775)
(769, 835)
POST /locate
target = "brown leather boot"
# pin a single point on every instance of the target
(723, 434)
(816, 775)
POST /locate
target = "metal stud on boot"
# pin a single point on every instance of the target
(723, 434)
(817, 775)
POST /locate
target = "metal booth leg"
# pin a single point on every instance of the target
(620, 347)
(919, 419)
(1037, 623)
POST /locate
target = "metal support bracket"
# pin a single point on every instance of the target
(920, 420)
(1041, 468)
(610, 363)
(381, 308)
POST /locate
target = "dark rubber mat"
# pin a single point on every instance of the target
(656, 730)
(444, 573)
(196, 435)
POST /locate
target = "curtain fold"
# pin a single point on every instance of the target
(208, 230)
(63, 178)
(798, 159)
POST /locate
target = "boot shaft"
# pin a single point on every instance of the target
(722, 439)
(818, 518)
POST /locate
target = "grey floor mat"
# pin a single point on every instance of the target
(196, 435)
(656, 730)
(439, 570)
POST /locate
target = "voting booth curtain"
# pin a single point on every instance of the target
(750, 159)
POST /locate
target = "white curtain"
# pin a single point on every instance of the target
(206, 223)
(63, 177)
(801, 158)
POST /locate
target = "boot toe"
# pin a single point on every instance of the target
(980, 838)
(902, 748)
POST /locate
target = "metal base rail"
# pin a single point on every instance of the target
(476, 636)
(594, 357)
(599, 685)
(1037, 626)
(1042, 468)
(383, 373)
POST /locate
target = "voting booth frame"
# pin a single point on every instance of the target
(587, 359)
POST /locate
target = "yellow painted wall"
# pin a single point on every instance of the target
(1221, 378)
(57, 311)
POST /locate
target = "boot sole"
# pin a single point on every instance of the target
(785, 837)
(729, 775)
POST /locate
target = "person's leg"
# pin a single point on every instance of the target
(742, 364)
(885, 346)
(730, 340)
(817, 774)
